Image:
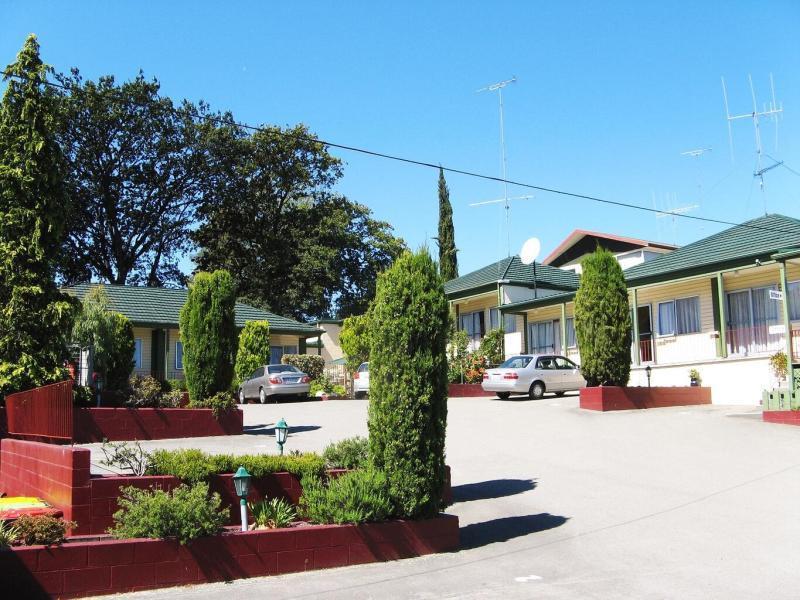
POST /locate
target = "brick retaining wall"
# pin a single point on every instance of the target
(121, 424)
(604, 398)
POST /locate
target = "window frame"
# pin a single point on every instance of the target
(137, 353)
(674, 302)
(178, 355)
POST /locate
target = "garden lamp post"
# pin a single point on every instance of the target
(648, 370)
(281, 431)
(241, 481)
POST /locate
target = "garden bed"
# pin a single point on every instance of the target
(121, 424)
(606, 398)
(784, 417)
(78, 569)
(467, 390)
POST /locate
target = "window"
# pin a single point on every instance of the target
(257, 373)
(137, 353)
(794, 301)
(510, 323)
(179, 355)
(282, 369)
(473, 323)
(516, 362)
(494, 318)
(541, 337)
(564, 364)
(275, 353)
(679, 316)
(546, 362)
(572, 341)
(753, 322)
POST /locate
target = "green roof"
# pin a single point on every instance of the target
(524, 305)
(511, 271)
(161, 307)
(739, 245)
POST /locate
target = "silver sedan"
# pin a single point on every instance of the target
(273, 381)
(533, 374)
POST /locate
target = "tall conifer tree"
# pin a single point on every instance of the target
(35, 318)
(448, 261)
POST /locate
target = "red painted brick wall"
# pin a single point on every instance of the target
(115, 566)
(785, 417)
(606, 398)
(57, 474)
(120, 424)
(467, 390)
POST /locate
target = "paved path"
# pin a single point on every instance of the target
(555, 502)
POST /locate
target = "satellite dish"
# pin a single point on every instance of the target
(530, 250)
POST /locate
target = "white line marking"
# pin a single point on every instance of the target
(527, 579)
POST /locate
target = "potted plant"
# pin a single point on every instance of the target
(694, 378)
(780, 366)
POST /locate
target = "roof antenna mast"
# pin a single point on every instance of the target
(498, 87)
(772, 110)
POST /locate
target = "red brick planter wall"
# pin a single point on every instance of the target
(114, 566)
(57, 474)
(625, 398)
(785, 417)
(120, 424)
(467, 390)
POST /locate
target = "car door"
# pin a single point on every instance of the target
(571, 374)
(251, 385)
(547, 372)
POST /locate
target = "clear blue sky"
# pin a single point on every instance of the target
(607, 98)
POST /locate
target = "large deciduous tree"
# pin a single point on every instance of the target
(270, 218)
(448, 260)
(603, 321)
(35, 318)
(133, 176)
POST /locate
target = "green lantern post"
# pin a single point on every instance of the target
(241, 481)
(281, 433)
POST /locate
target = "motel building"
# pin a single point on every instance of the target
(721, 305)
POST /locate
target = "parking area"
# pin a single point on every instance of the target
(556, 502)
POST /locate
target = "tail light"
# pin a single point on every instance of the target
(486, 376)
(275, 380)
(510, 376)
(305, 379)
(356, 375)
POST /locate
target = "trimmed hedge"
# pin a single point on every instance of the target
(253, 350)
(311, 364)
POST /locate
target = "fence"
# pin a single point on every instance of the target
(43, 412)
(339, 375)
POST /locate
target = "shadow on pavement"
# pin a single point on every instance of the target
(507, 528)
(264, 429)
(495, 488)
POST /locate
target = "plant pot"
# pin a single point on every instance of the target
(694, 382)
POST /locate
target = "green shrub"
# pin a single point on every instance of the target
(339, 390)
(475, 366)
(185, 513)
(408, 383)
(311, 364)
(349, 453)
(219, 403)
(193, 466)
(175, 385)
(171, 399)
(323, 384)
(779, 365)
(457, 352)
(492, 346)
(253, 351)
(83, 395)
(355, 497)
(126, 456)
(145, 392)
(33, 530)
(120, 361)
(354, 340)
(9, 534)
(603, 321)
(274, 513)
(208, 332)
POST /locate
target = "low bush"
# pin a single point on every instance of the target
(83, 395)
(122, 455)
(321, 384)
(175, 385)
(9, 534)
(274, 513)
(349, 453)
(193, 466)
(171, 399)
(219, 403)
(145, 392)
(185, 513)
(311, 364)
(492, 346)
(355, 497)
(339, 390)
(476, 365)
(33, 530)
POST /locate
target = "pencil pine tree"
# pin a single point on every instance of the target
(208, 333)
(603, 321)
(448, 260)
(409, 322)
(254, 351)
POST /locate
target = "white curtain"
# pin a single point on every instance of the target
(739, 322)
(765, 313)
(687, 315)
(666, 318)
(794, 301)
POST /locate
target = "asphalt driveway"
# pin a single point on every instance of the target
(555, 502)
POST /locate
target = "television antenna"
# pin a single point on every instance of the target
(498, 87)
(673, 212)
(697, 153)
(528, 255)
(499, 200)
(771, 111)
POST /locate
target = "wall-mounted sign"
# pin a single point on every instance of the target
(775, 295)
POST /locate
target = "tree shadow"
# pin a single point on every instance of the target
(507, 528)
(264, 429)
(494, 488)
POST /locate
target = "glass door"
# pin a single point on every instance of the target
(645, 340)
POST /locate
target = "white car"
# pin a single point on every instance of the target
(533, 374)
(361, 381)
(271, 381)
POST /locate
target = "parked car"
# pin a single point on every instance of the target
(361, 381)
(533, 374)
(271, 381)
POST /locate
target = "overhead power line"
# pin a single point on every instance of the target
(431, 165)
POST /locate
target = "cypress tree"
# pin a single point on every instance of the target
(409, 322)
(253, 349)
(208, 333)
(603, 321)
(448, 261)
(35, 317)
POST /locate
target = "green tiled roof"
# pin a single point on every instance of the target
(162, 306)
(512, 271)
(524, 305)
(739, 245)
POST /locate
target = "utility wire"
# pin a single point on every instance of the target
(437, 166)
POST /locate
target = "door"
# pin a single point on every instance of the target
(645, 340)
(740, 322)
(549, 373)
(158, 354)
(570, 375)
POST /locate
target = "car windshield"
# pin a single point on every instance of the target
(516, 362)
(363, 368)
(282, 369)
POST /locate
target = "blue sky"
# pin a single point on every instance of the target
(607, 98)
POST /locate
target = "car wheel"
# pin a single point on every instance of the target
(504, 395)
(537, 390)
(358, 395)
(262, 396)
(242, 399)
(559, 394)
